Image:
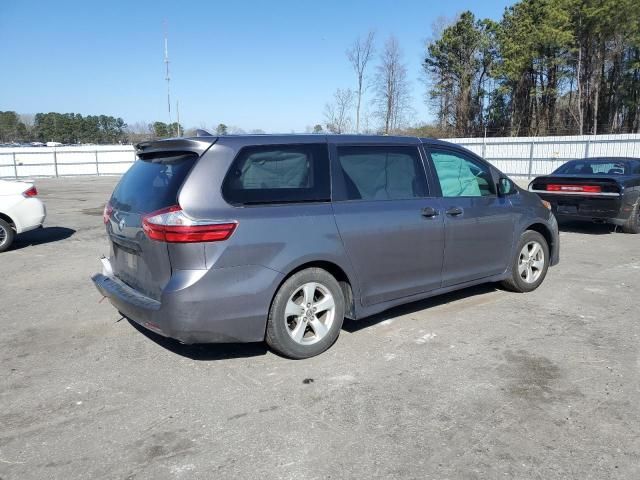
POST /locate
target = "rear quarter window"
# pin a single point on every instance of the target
(278, 174)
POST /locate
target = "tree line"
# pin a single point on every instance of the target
(547, 67)
(73, 128)
(66, 128)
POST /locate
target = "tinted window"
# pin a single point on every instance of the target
(152, 183)
(593, 167)
(460, 176)
(278, 174)
(382, 173)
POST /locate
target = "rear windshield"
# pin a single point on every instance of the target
(594, 167)
(152, 183)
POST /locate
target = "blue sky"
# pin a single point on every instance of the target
(253, 64)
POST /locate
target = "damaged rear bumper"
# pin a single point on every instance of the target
(191, 311)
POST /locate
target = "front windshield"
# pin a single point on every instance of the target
(594, 167)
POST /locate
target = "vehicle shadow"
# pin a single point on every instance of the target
(41, 236)
(352, 326)
(224, 351)
(588, 228)
(204, 351)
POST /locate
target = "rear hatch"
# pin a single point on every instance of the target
(151, 184)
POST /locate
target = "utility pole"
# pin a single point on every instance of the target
(178, 115)
(167, 77)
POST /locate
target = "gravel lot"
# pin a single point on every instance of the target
(478, 384)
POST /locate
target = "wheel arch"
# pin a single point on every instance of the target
(9, 220)
(545, 231)
(337, 272)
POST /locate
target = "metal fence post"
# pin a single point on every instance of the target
(533, 144)
(15, 166)
(55, 161)
(97, 165)
(484, 144)
(587, 147)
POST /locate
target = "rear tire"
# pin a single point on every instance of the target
(306, 314)
(7, 235)
(633, 224)
(530, 263)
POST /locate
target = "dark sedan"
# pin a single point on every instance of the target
(605, 189)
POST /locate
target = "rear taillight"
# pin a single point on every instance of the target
(574, 188)
(174, 226)
(106, 213)
(31, 192)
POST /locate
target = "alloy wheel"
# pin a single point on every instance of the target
(531, 262)
(309, 313)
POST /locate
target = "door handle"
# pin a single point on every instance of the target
(429, 212)
(454, 211)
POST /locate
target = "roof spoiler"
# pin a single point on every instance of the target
(196, 145)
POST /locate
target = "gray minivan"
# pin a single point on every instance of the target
(279, 238)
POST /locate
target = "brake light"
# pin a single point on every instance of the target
(574, 188)
(31, 192)
(106, 213)
(172, 225)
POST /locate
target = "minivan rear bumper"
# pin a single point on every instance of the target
(204, 306)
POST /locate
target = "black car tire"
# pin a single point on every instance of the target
(515, 282)
(279, 325)
(8, 237)
(633, 224)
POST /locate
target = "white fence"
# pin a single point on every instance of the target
(532, 156)
(32, 162)
(518, 156)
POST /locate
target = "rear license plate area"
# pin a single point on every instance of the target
(127, 260)
(567, 209)
(131, 260)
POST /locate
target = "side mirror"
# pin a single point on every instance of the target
(506, 187)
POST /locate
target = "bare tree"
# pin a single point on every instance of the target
(365, 121)
(139, 132)
(359, 55)
(235, 130)
(28, 119)
(336, 114)
(392, 87)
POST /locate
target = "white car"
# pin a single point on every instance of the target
(20, 210)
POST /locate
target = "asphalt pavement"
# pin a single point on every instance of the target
(481, 383)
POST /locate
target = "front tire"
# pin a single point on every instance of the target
(7, 235)
(306, 314)
(530, 263)
(633, 224)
